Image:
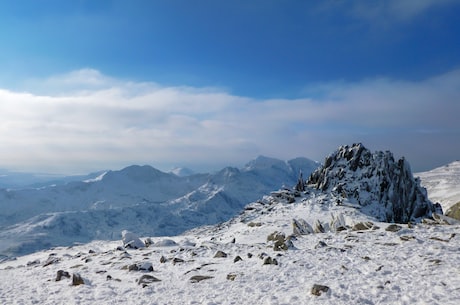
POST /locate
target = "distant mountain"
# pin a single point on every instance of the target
(20, 180)
(443, 184)
(138, 198)
(182, 171)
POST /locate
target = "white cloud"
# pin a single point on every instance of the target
(108, 123)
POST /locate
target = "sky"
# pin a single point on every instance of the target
(90, 85)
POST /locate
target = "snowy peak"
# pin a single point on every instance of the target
(262, 162)
(182, 171)
(384, 188)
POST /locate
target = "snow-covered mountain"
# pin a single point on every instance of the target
(139, 198)
(443, 184)
(382, 187)
(311, 244)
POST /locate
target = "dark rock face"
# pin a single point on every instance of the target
(374, 180)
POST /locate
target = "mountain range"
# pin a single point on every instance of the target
(139, 198)
(325, 239)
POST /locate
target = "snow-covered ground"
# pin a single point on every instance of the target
(418, 264)
(443, 184)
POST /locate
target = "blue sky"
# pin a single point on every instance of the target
(86, 85)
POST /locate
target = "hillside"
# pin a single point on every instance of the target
(288, 247)
(443, 184)
(139, 198)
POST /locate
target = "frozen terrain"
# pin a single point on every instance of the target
(443, 184)
(309, 244)
(138, 198)
(365, 262)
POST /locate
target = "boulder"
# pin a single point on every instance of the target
(220, 254)
(319, 289)
(77, 279)
(131, 240)
(60, 274)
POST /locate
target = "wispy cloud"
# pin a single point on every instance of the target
(95, 121)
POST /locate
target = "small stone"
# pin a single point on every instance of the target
(77, 279)
(270, 261)
(231, 276)
(321, 244)
(60, 274)
(163, 259)
(199, 278)
(250, 255)
(177, 260)
(393, 228)
(220, 254)
(147, 279)
(362, 226)
(237, 259)
(319, 289)
(133, 267)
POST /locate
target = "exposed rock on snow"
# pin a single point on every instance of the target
(376, 181)
(319, 289)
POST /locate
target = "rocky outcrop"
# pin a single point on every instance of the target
(376, 181)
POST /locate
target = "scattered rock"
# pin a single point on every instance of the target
(321, 244)
(301, 227)
(362, 226)
(60, 274)
(454, 211)
(33, 263)
(163, 259)
(147, 279)
(131, 240)
(77, 279)
(406, 237)
(177, 260)
(318, 227)
(270, 261)
(254, 224)
(393, 228)
(220, 254)
(199, 278)
(51, 260)
(148, 242)
(237, 259)
(250, 255)
(319, 289)
(231, 276)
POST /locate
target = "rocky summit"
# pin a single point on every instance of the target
(382, 187)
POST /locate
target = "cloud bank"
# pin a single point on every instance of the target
(90, 121)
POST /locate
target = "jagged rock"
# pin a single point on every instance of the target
(301, 227)
(362, 226)
(237, 259)
(163, 259)
(337, 223)
(52, 259)
(393, 228)
(301, 185)
(147, 279)
(77, 279)
(319, 289)
(254, 224)
(318, 227)
(270, 261)
(131, 240)
(276, 236)
(60, 274)
(148, 242)
(33, 263)
(374, 179)
(199, 278)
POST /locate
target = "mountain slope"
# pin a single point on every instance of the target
(236, 262)
(137, 197)
(443, 184)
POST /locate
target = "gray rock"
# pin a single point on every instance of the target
(237, 259)
(60, 274)
(270, 261)
(77, 279)
(147, 279)
(362, 226)
(319, 289)
(199, 278)
(393, 228)
(220, 254)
